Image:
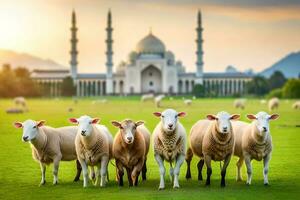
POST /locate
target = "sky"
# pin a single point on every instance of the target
(245, 34)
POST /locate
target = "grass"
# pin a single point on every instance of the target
(20, 175)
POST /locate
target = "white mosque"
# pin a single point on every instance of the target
(150, 68)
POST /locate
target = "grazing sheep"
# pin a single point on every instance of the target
(273, 103)
(169, 139)
(211, 139)
(20, 101)
(130, 149)
(93, 147)
(296, 105)
(239, 103)
(158, 100)
(147, 97)
(253, 141)
(188, 102)
(50, 145)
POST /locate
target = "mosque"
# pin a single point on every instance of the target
(150, 68)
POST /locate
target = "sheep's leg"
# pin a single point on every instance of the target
(55, 169)
(200, 167)
(43, 170)
(239, 165)
(249, 169)
(223, 172)
(162, 171)
(179, 161)
(144, 170)
(136, 172)
(84, 173)
(207, 160)
(266, 168)
(120, 172)
(98, 175)
(188, 159)
(103, 171)
(129, 171)
(78, 167)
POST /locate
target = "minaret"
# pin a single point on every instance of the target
(109, 55)
(74, 52)
(199, 53)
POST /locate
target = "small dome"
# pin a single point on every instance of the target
(132, 56)
(150, 45)
(170, 57)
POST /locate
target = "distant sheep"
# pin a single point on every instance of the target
(273, 103)
(130, 149)
(296, 105)
(253, 141)
(211, 139)
(239, 103)
(188, 102)
(147, 97)
(20, 101)
(158, 100)
(50, 145)
(169, 138)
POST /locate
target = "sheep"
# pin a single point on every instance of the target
(296, 105)
(50, 145)
(169, 140)
(273, 103)
(158, 100)
(239, 103)
(211, 139)
(253, 141)
(130, 149)
(147, 97)
(93, 144)
(188, 102)
(20, 101)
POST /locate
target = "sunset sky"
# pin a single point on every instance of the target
(245, 34)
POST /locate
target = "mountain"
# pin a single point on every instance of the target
(289, 66)
(31, 62)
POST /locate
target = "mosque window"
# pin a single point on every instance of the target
(151, 83)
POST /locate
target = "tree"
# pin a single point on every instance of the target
(291, 89)
(198, 90)
(258, 86)
(277, 80)
(68, 88)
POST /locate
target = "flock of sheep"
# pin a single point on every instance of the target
(216, 138)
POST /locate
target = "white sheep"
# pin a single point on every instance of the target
(253, 141)
(158, 100)
(239, 103)
(147, 97)
(187, 102)
(169, 139)
(273, 103)
(50, 145)
(211, 139)
(296, 105)
(93, 147)
(20, 101)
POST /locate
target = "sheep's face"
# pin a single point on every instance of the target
(223, 121)
(261, 122)
(30, 129)
(85, 124)
(169, 119)
(127, 129)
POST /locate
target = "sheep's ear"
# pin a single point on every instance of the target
(181, 114)
(157, 114)
(18, 125)
(235, 117)
(73, 120)
(211, 117)
(273, 117)
(251, 116)
(95, 121)
(138, 123)
(40, 123)
(116, 124)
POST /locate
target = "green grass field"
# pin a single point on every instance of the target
(20, 175)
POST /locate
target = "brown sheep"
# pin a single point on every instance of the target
(130, 149)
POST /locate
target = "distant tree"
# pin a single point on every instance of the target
(277, 80)
(8, 82)
(291, 89)
(275, 93)
(198, 90)
(68, 88)
(258, 86)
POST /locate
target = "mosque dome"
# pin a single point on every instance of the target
(150, 45)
